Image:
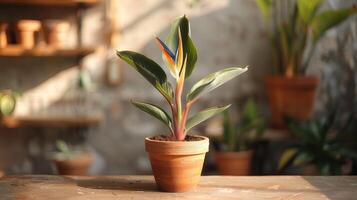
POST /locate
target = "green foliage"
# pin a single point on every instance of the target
(172, 40)
(296, 28)
(156, 112)
(213, 81)
(150, 70)
(65, 151)
(319, 146)
(204, 115)
(7, 102)
(180, 56)
(250, 128)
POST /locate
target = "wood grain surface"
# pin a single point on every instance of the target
(210, 187)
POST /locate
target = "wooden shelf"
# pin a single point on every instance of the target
(51, 2)
(17, 51)
(50, 121)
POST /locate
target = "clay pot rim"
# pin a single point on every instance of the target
(160, 141)
(177, 147)
(305, 81)
(29, 25)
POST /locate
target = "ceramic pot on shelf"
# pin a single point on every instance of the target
(27, 33)
(177, 165)
(291, 96)
(234, 163)
(79, 165)
(3, 34)
(57, 33)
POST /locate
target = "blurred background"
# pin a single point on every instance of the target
(65, 96)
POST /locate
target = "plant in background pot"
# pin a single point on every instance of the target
(177, 158)
(234, 154)
(71, 160)
(321, 149)
(296, 27)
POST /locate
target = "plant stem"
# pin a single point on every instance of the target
(178, 130)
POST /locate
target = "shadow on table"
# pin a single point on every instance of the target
(334, 187)
(117, 183)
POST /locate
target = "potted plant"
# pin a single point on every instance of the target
(321, 150)
(296, 28)
(235, 152)
(177, 158)
(71, 160)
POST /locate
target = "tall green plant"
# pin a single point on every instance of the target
(180, 55)
(296, 27)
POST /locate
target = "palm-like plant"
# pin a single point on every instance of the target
(297, 26)
(179, 55)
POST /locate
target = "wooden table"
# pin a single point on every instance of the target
(210, 187)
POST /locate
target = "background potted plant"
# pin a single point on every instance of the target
(234, 155)
(70, 160)
(177, 158)
(321, 149)
(296, 27)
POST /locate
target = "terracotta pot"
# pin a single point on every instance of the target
(177, 165)
(3, 35)
(77, 166)
(293, 97)
(234, 163)
(57, 33)
(26, 32)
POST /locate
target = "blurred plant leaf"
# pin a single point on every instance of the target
(229, 131)
(7, 104)
(154, 111)
(265, 7)
(307, 9)
(328, 19)
(288, 156)
(150, 70)
(203, 115)
(213, 81)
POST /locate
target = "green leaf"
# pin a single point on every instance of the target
(189, 48)
(7, 104)
(150, 70)
(307, 9)
(154, 111)
(328, 19)
(303, 158)
(265, 6)
(213, 81)
(203, 115)
(288, 156)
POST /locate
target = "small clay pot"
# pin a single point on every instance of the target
(26, 32)
(57, 33)
(291, 96)
(234, 163)
(3, 34)
(76, 166)
(177, 165)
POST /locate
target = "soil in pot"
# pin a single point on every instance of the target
(79, 165)
(177, 165)
(291, 96)
(234, 163)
